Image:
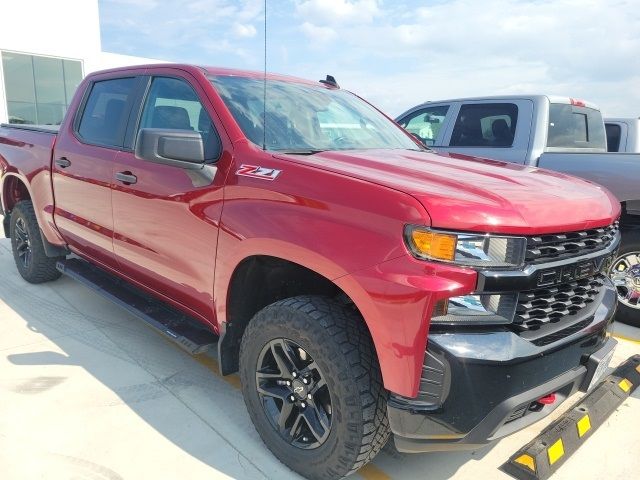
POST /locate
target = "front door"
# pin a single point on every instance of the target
(82, 170)
(165, 217)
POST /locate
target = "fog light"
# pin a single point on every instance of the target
(477, 310)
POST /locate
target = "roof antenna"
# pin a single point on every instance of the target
(264, 84)
(330, 81)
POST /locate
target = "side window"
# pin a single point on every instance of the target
(173, 104)
(105, 115)
(485, 125)
(614, 133)
(426, 123)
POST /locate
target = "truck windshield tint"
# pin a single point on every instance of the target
(571, 126)
(304, 118)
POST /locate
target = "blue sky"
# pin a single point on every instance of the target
(400, 53)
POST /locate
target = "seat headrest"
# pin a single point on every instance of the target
(166, 116)
(501, 131)
(113, 110)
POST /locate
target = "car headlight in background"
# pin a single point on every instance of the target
(466, 249)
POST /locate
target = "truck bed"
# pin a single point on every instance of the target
(29, 147)
(51, 129)
(619, 172)
(26, 154)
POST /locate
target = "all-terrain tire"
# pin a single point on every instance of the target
(630, 244)
(336, 338)
(39, 268)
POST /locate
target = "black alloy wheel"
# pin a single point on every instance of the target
(27, 245)
(294, 394)
(313, 387)
(23, 243)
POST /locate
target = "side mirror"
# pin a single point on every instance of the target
(177, 148)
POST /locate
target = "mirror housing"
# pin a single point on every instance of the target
(176, 148)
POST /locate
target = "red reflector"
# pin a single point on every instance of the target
(577, 103)
(548, 400)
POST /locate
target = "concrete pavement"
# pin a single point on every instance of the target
(89, 392)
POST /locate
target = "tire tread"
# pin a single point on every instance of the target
(43, 269)
(348, 332)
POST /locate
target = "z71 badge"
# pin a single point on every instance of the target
(258, 172)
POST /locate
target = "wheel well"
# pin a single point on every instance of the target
(13, 191)
(260, 281)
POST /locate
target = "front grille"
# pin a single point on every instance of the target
(560, 334)
(548, 248)
(547, 305)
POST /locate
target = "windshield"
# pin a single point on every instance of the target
(305, 118)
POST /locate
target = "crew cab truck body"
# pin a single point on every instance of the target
(360, 284)
(556, 133)
(623, 134)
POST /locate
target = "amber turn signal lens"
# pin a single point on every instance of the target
(440, 246)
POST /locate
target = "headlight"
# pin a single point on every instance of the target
(476, 310)
(469, 249)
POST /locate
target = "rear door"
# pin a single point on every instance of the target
(498, 129)
(166, 217)
(82, 169)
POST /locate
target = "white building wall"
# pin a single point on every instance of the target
(68, 28)
(113, 60)
(58, 28)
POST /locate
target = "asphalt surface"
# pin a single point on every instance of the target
(89, 392)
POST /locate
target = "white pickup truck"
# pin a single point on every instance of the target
(556, 133)
(623, 134)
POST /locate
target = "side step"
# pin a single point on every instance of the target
(190, 334)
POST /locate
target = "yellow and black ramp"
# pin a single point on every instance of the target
(542, 457)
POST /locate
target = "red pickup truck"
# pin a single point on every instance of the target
(360, 284)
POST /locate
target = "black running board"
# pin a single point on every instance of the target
(190, 334)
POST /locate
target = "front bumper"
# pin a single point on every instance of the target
(483, 385)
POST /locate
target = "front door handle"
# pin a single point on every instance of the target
(63, 162)
(126, 177)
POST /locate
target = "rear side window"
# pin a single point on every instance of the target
(172, 103)
(613, 137)
(425, 123)
(485, 125)
(105, 115)
(571, 126)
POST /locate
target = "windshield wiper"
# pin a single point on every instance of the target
(301, 151)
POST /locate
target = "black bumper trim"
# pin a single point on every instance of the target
(419, 430)
(491, 428)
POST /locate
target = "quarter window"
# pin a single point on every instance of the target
(485, 125)
(614, 132)
(173, 104)
(425, 123)
(105, 115)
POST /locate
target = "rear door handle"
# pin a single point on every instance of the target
(63, 162)
(126, 177)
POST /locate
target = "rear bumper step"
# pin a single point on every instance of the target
(190, 334)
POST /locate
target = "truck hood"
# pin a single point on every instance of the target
(474, 194)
